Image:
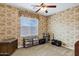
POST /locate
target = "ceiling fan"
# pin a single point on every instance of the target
(44, 6)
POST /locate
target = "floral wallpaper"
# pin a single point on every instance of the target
(8, 22)
(65, 26)
(10, 26)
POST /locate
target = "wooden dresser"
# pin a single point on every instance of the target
(7, 47)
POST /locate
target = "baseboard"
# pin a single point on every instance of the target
(68, 47)
(71, 48)
(20, 46)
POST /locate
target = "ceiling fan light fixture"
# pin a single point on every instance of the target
(43, 8)
(46, 11)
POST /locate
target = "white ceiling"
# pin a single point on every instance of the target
(60, 7)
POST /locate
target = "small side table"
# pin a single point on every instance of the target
(27, 43)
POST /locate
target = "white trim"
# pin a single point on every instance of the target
(20, 46)
(68, 47)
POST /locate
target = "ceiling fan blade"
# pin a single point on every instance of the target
(38, 5)
(38, 10)
(51, 6)
(42, 4)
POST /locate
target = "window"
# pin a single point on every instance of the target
(29, 26)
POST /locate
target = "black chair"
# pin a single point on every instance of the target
(56, 42)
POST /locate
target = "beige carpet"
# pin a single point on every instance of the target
(43, 50)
